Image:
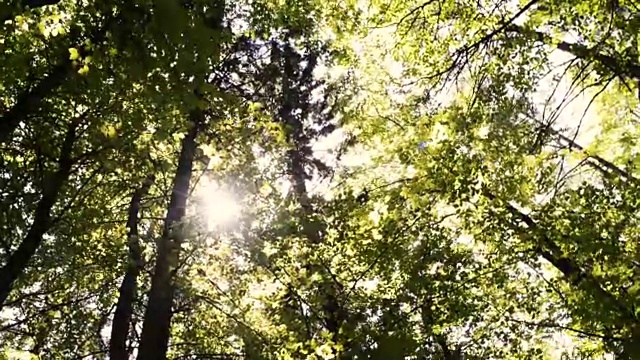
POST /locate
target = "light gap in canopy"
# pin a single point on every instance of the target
(216, 204)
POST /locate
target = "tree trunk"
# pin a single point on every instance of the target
(313, 229)
(124, 307)
(597, 162)
(18, 260)
(29, 101)
(38, 3)
(157, 319)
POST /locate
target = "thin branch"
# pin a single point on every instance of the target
(550, 324)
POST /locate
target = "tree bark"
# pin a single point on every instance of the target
(38, 3)
(334, 312)
(128, 287)
(42, 219)
(596, 162)
(599, 163)
(157, 319)
(29, 101)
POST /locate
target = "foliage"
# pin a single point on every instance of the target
(410, 179)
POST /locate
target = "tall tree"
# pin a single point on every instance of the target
(157, 320)
(296, 104)
(127, 292)
(406, 177)
(19, 259)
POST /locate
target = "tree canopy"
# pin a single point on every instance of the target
(307, 179)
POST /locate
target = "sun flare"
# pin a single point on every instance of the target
(220, 206)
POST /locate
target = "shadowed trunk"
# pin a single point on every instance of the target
(426, 315)
(38, 3)
(29, 101)
(298, 157)
(42, 218)
(597, 162)
(582, 278)
(124, 307)
(157, 318)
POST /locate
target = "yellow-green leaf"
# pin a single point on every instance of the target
(83, 70)
(108, 131)
(73, 54)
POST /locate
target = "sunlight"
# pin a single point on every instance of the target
(219, 205)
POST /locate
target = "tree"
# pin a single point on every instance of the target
(18, 260)
(402, 179)
(127, 291)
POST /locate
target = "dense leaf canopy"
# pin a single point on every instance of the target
(258, 179)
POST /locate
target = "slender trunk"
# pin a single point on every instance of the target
(598, 162)
(29, 101)
(620, 68)
(334, 314)
(124, 307)
(157, 318)
(38, 3)
(42, 219)
(426, 315)
(447, 352)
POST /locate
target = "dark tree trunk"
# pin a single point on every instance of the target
(38, 3)
(30, 100)
(42, 219)
(597, 162)
(124, 307)
(333, 312)
(157, 318)
(620, 68)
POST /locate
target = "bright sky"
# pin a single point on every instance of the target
(220, 206)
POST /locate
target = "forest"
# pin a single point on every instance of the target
(307, 179)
